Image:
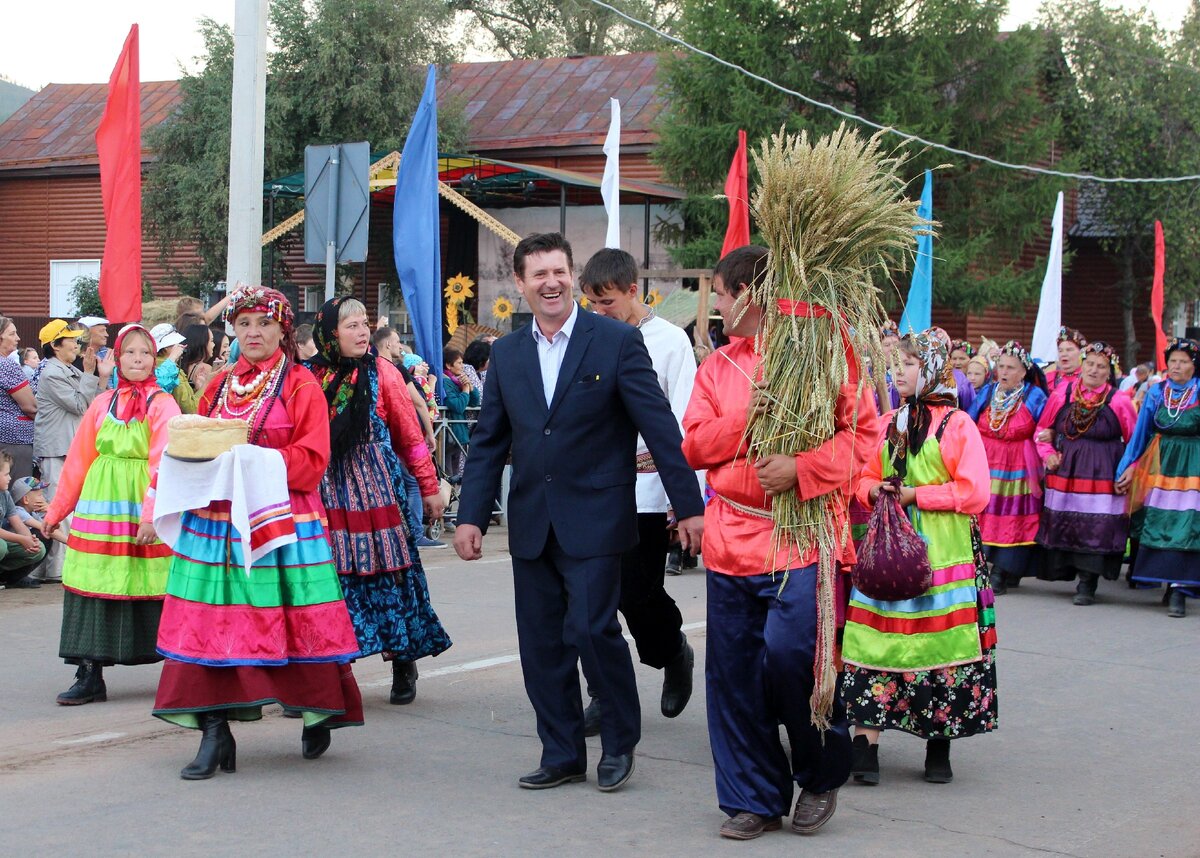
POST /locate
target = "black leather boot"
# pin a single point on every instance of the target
(677, 681)
(404, 682)
(217, 748)
(1085, 590)
(864, 761)
(937, 761)
(314, 741)
(1177, 604)
(88, 688)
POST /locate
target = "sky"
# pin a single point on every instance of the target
(77, 41)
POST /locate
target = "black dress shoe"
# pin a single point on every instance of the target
(314, 741)
(613, 771)
(551, 776)
(26, 583)
(677, 682)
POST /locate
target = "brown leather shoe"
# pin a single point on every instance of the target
(747, 826)
(813, 809)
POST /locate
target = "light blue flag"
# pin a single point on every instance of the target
(416, 229)
(918, 310)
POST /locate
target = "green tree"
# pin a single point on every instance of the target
(525, 29)
(1132, 110)
(85, 295)
(341, 70)
(936, 68)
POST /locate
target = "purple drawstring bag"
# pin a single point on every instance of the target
(893, 560)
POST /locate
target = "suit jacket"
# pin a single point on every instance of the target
(574, 462)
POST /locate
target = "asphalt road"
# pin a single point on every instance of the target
(1096, 755)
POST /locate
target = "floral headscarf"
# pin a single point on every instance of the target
(260, 299)
(347, 382)
(935, 386)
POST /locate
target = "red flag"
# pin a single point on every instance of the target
(737, 189)
(1156, 295)
(119, 145)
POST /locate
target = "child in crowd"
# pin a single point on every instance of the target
(20, 550)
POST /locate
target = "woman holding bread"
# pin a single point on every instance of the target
(115, 569)
(276, 630)
(372, 427)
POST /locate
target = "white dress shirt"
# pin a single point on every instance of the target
(552, 350)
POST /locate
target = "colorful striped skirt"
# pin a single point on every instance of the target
(1009, 523)
(1167, 519)
(280, 634)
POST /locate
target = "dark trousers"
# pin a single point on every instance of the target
(567, 614)
(759, 674)
(652, 616)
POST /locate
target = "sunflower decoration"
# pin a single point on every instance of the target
(584, 302)
(502, 308)
(459, 288)
(452, 317)
(653, 298)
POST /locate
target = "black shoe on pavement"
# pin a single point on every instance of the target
(314, 741)
(548, 777)
(937, 761)
(404, 682)
(88, 688)
(217, 748)
(26, 583)
(613, 771)
(1177, 604)
(677, 681)
(864, 761)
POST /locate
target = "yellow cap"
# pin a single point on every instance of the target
(53, 330)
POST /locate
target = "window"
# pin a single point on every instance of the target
(62, 277)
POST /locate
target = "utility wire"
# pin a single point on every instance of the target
(1027, 168)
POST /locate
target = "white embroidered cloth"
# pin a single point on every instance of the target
(254, 481)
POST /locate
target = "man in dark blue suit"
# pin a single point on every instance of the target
(568, 395)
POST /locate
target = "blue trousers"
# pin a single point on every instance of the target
(416, 512)
(759, 674)
(567, 615)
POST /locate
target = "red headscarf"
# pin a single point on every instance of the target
(139, 391)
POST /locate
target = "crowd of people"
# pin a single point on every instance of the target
(1004, 468)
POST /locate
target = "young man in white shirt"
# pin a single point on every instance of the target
(609, 281)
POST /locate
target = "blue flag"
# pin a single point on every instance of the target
(416, 229)
(918, 310)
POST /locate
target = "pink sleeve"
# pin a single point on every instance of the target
(872, 472)
(833, 465)
(970, 486)
(1122, 406)
(162, 409)
(1057, 400)
(408, 438)
(79, 459)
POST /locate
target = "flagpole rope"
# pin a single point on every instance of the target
(1027, 168)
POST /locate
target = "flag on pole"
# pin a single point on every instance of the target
(119, 146)
(416, 227)
(610, 185)
(1156, 296)
(918, 309)
(737, 191)
(1049, 316)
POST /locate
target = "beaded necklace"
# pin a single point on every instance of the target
(1002, 407)
(1085, 411)
(247, 401)
(1175, 404)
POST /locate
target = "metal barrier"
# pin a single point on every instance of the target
(449, 450)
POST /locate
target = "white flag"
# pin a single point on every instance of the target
(610, 185)
(1049, 317)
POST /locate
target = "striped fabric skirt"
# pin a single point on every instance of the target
(1167, 524)
(280, 634)
(1009, 523)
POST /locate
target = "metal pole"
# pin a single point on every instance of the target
(646, 251)
(562, 209)
(271, 251)
(364, 280)
(247, 120)
(335, 157)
